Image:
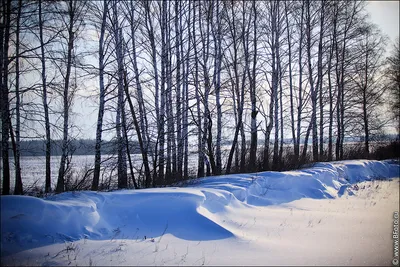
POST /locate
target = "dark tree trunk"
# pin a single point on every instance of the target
(99, 129)
(45, 103)
(139, 136)
(5, 109)
(18, 180)
(253, 142)
(64, 147)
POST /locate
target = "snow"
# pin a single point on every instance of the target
(337, 213)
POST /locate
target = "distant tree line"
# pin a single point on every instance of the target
(170, 73)
(29, 148)
(78, 147)
(87, 147)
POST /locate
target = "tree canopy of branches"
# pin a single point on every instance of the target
(393, 78)
(241, 86)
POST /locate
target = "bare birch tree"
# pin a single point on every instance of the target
(75, 10)
(99, 129)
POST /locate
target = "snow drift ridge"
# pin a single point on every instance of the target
(322, 180)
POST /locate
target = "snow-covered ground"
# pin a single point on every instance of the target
(338, 213)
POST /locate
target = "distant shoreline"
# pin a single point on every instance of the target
(87, 147)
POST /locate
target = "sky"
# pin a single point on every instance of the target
(383, 13)
(386, 15)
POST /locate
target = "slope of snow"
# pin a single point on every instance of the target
(323, 180)
(267, 218)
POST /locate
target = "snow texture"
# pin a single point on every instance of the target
(208, 210)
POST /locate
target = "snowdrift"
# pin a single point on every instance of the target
(189, 213)
(322, 180)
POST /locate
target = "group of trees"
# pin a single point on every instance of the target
(181, 76)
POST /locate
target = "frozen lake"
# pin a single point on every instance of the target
(34, 172)
(33, 168)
